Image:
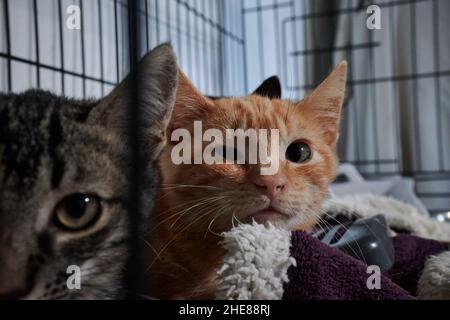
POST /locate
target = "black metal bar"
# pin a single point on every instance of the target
(134, 266)
(158, 35)
(396, 107)
(335, 12)
(406, 77)
(260, 41)
(434, 195)
(116, 34)
(318, 65)
(353, 112)
(61, 46)
(213, 51)
(83, 53)
(284, 53)
(224, 53)
(437, 83)
(295, 76)
(221, 37)
(168, 24)
(428, 176)
(56, 69)
(179, 39)
(368, 45)
(276, 31)
(147, 37)
(371, 162)
(244, 54)
(8, 44)
(188, 45)
(100, 31)
(205, 51)
(236, 53)
(273, 7)
(431, 175)
(433, 211)
(415, 92)
(421, 176)
(373, 88)
(212, 23)
(36, 40)
(198, 76)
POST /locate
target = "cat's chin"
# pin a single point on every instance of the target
(267, 215)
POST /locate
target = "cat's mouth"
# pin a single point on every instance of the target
(268, 214)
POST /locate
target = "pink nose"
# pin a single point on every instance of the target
(271, 185)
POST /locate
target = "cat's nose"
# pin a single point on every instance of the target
(272, 186)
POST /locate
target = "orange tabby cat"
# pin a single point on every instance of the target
(197, 202)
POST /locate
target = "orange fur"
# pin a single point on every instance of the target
(195, 203)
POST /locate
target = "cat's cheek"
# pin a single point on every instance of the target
(229, 173)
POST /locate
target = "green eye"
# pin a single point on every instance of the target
(299, 152)
(77, 212)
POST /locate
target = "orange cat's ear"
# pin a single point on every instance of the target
(190, 104)
(324, 104)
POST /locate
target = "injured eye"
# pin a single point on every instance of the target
(299, 152)
(77, 212)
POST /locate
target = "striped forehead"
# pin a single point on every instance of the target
(31, 130)
(255, 112)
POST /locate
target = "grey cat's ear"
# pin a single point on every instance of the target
(270, 88)
(155, 81)
(323, 106)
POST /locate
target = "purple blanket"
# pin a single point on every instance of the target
(263, 262)
(322, 272)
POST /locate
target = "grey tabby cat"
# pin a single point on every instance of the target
(63, 184)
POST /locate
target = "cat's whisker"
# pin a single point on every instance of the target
(216, 203)
(202, 215)
(177, 212)
(217, 215)
(179, 186)
(208, 209)
(174, 187)
(166, 191)
(345, 228)
(174, 237)
(221, 212)
(236, 218)
(151, 247)
(200, 204)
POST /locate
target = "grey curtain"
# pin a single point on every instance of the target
(397, 113)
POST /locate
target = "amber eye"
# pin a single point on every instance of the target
(77, 211)
(298, 152)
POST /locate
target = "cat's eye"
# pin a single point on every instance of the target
(77, 212)
(299, 152)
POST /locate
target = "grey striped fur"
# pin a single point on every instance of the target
(51, 147)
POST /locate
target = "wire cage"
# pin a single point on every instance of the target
(228, 47)
(396, 119)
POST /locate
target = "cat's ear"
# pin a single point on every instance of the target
(323, 106)
(270, 88)
(190, 104)
(155, 83)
